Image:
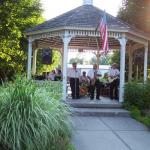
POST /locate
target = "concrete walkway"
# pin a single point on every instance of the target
(109, 133)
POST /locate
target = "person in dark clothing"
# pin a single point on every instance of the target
(93, 76)
(114, 81)
(73, 75)
(58, 76)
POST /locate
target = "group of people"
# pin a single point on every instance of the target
(94, 81)
(53, 75)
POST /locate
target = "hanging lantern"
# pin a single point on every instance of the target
(47, 56)
(80, 50)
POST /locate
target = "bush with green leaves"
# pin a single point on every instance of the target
(138, 115)
(32, 117)
(137, 100)
(137, 94)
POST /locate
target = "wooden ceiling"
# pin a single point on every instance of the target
(77, 43)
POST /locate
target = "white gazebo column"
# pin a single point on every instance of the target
(145, 61)
(66, 40)
(34, 62)
(130, 52)
(29, 58)
(123, 42)
(62, 59)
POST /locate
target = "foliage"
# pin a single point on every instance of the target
(115, 58)
(81, 59)
(137, 94)
(71, 147)
(32, 116)
(16, 16)
(136, 113)
(148, 73)
(137, 101)
(77, 60)
(104, 60)
(56, 60)
(136, 13)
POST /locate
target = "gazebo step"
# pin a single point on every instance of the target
(99, 112)
(94, 105)
(86, 103)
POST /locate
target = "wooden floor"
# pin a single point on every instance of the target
(85, 101)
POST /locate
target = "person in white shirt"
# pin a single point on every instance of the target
(73, 75)
(113, 75)
(93, 76)
(84, 79)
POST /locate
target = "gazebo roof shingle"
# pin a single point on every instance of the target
(86, 16)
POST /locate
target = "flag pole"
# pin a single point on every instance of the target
(102, 25)
(98, 46)
(98, 53)
(103, 32)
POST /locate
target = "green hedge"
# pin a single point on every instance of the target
(32, 117)
(138, 115)
(137, 101)
(137, 94)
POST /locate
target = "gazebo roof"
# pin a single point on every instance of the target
(86, 16)
(81, 24)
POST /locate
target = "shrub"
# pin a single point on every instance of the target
(32, 117)
(135, 112)
(138, 115)
(137, 94)
(137, 100)
(53, 89)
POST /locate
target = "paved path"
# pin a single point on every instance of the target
(109, 133)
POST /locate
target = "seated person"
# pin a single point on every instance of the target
(44, 74)
(84, 84)
(58, 76)
(51, 75)
(105, 85)
(104, 79)
(84, 79)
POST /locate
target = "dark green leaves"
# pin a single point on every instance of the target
(15, 17)
(136, 13)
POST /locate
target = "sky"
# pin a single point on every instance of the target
(53, 8)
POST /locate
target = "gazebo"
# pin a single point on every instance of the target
(76, 30)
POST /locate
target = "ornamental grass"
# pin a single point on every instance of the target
(32, 116)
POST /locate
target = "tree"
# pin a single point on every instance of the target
(16, 16)
(104, 59)
(115, 57)
(77, 60)
(136, 13)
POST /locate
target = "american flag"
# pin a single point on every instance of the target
(103, 33)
